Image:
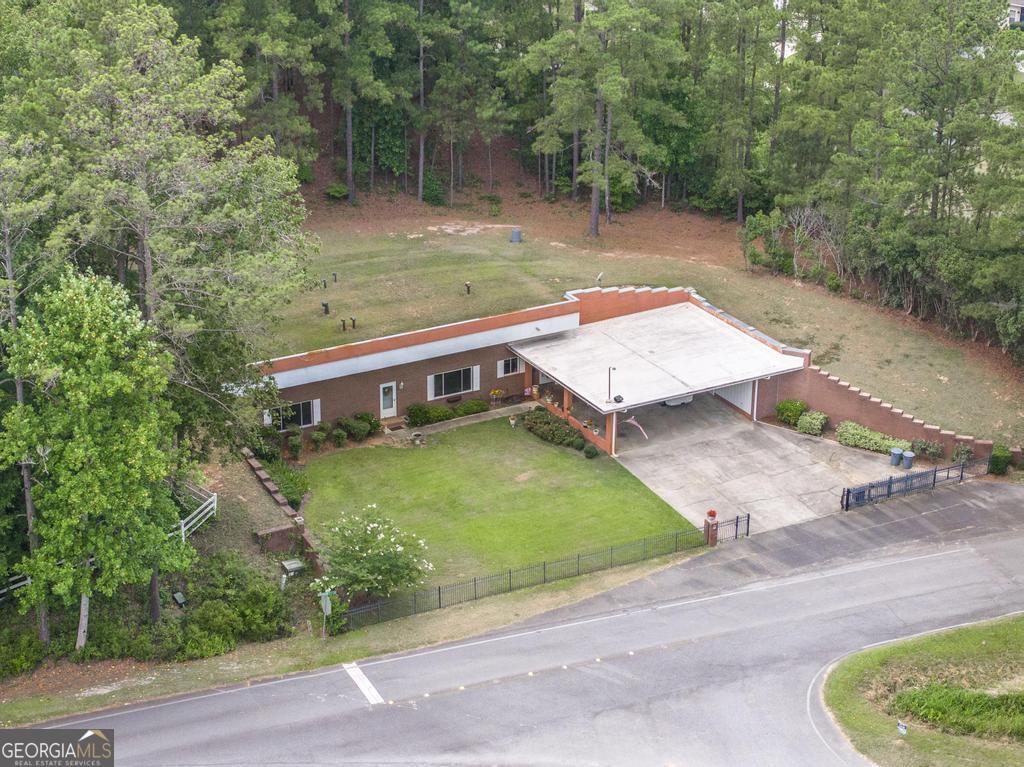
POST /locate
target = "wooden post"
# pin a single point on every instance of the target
(610, 425)
(527, 375)
(566, 400)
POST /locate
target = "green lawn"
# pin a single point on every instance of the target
(988, 658)
(392, 283)
(486, 496)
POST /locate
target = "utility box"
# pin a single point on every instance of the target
(293, 567)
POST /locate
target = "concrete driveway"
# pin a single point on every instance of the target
(705, 455)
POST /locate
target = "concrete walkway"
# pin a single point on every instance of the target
(707, 456)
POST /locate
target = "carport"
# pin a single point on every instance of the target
(607, 369)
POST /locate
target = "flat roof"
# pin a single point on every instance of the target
(658, 355)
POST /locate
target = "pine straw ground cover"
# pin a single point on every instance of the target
(961, 693)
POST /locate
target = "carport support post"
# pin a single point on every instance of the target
(610, 425)
(566, 401)
(527, 377)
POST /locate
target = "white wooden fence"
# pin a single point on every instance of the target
(202, 502)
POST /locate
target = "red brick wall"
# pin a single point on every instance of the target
(361, 392)
(603, 304)
(844, 402)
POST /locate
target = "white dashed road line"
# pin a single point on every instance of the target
(365, 685)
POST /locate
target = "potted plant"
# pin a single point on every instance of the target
(496, 395)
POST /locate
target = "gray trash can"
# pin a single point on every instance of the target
(517, 235)
(895, 456)
(908, 459)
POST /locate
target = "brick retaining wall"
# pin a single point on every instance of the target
(844, 402)
(283, 537)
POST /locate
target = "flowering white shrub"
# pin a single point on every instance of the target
(370, 553)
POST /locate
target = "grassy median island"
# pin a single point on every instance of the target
(961, 692)
(487, 496)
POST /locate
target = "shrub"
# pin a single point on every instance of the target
(337, 621)
(789, 411)
(261, 607)
(549, 427)
(579, 443)
(370, 420)
(470, 407)
(109, 636)
(433, 189)
(232, 601)
(293, 483)
(931, 450)
(357, 430)
(962, 453)
(370, 553)
(854, 435)
(812, 422)
(590, 451)
(215, 616)
(20, 651)
(354, 430)
(304, 174)
(834, 282)
(421, 414)
(338, 437)
(165, 639)
(197, 643)
(337, 191)
(267, 444)
(999, 462)
(319, 437)
(295, 446)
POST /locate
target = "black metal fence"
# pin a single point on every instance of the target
(915, 482)
(513, 579)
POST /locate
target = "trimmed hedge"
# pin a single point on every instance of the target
(591, 451)
(420, 414)
(789, 411)
(853, 434)
(550, 428)
(1000, 460)
(355, 430)
(812, 422)
(470, 407)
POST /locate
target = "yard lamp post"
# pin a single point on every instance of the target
(610, 369)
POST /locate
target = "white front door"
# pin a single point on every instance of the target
(388, 400)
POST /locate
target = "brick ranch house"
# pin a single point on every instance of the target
(591, 358)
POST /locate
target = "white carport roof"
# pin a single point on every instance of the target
(658, 355)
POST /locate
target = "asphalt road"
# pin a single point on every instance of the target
(718, 661)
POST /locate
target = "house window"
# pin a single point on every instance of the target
(509, 367)
(298, 412)
(453, 382)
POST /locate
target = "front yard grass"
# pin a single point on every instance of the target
(988, 658)
(486, 497)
